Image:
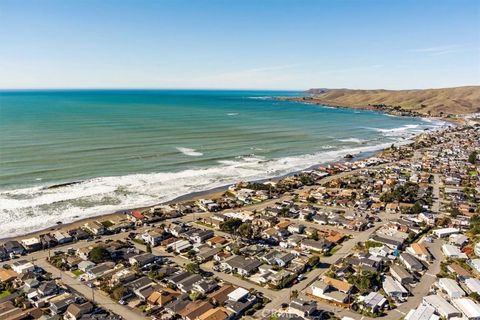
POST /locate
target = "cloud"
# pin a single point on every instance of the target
(438, 50)
(350, 70)
(259, 77)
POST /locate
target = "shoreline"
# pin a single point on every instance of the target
(216, 191)
(188, 197)
(460, 119)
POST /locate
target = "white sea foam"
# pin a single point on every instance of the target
(29, 209)
(355, 140)
(189, 152)
(261, 98)
(232, 114)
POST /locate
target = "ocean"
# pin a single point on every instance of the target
(131, 148)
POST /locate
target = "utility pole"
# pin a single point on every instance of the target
(93, 295)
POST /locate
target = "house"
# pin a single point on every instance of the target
(94, 227)
(391, 242)
(216, 241)
(136, 217)
(62, 237)
(204, 286)
(241, 265)
(100, 270)
(161, 297)
(154, 237)
(175, 306)
(76, 311)
(180, 246)
(22, 266)
(123, 276)
(316, 245)
(14, 247)
(61, 303)
(453, 252)
(3, 253)
(458, 239)
(303, 308)
(142, 259)
(218, 297)
(7, 275)
(423, 312)
(412, 264)
(85, 265)
(470, 309)
(401, 275)
(451, 288)
(218, 313)
(394, 288)
(445, 232)
(186, 284)
(200, 236)
(78, 234)
(207, 255)
(279, 258)
(47, 288)
(475, 264)
(31, 244)
(461, 273)
(419, 251)
(328, 290)
(472, 284)
(441, 306)
(239, 300)
(296, 228)
(373, 302)
(195, 309)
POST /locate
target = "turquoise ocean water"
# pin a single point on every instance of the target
(139, 147)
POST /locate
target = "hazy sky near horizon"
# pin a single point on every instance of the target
(248, 44)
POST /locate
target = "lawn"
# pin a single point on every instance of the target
(4, 294)
(77, 272)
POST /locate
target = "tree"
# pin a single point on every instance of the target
(313, 261)
(99, 254)
(245, 230)
(472, 158)
(230, 225)
(314, 235)
(149, 248)
(118, 292)
(294, 294)
(195, 295)
(365, 280)
(193, 267)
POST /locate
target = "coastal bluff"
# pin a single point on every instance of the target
(442, 102)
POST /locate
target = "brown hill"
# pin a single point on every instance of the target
(434, 102)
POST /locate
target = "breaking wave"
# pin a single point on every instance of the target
(31, 209)
(189, 152)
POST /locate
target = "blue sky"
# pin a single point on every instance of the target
(269, 44)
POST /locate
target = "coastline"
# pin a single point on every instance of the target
(217, 191)
(188, 197)
(389, 111)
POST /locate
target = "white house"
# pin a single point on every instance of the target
(394, 289)
(453, 252)
(475, 264)
(22, 266)
(451, 288)
(441, 306)
(445, 232)
(470, 309)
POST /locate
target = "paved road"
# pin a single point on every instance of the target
(91, 294)
(283, 296)
(436, 193)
